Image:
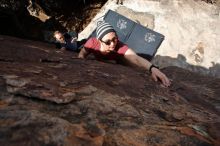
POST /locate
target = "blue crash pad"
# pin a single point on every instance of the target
(142, 40)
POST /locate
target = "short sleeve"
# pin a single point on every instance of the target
(122, 48)
(92, 43)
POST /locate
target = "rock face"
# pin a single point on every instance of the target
(48, 97)
(42, 18)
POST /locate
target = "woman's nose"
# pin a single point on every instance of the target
(112, 43)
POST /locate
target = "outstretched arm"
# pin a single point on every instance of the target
(138, 61)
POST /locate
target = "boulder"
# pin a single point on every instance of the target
(48, 97)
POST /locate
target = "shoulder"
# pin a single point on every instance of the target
(92, 43)
(67, 35)
(122, 48)
(73, 34)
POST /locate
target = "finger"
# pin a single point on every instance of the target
(167, 81)
(164, 82)
(154, 78)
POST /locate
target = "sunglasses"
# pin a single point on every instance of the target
(108, 42)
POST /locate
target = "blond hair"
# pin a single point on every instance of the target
(56, 32)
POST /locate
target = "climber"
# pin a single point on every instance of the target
(106, 46)
(68, 41)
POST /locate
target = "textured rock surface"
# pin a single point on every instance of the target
(49, 97)
(42, 18)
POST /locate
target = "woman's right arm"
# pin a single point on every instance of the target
(83, 53)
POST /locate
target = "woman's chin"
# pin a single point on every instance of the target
(105, 52)
(108, 51)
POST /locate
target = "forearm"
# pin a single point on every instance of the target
(62, 48)
(83, 53)
(132, 57)
(136, 60)
(142, 63)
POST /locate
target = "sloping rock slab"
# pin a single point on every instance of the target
(31, 128)
(48, 97)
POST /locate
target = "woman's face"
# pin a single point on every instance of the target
(108, 42)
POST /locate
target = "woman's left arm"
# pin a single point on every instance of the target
(138, 61)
